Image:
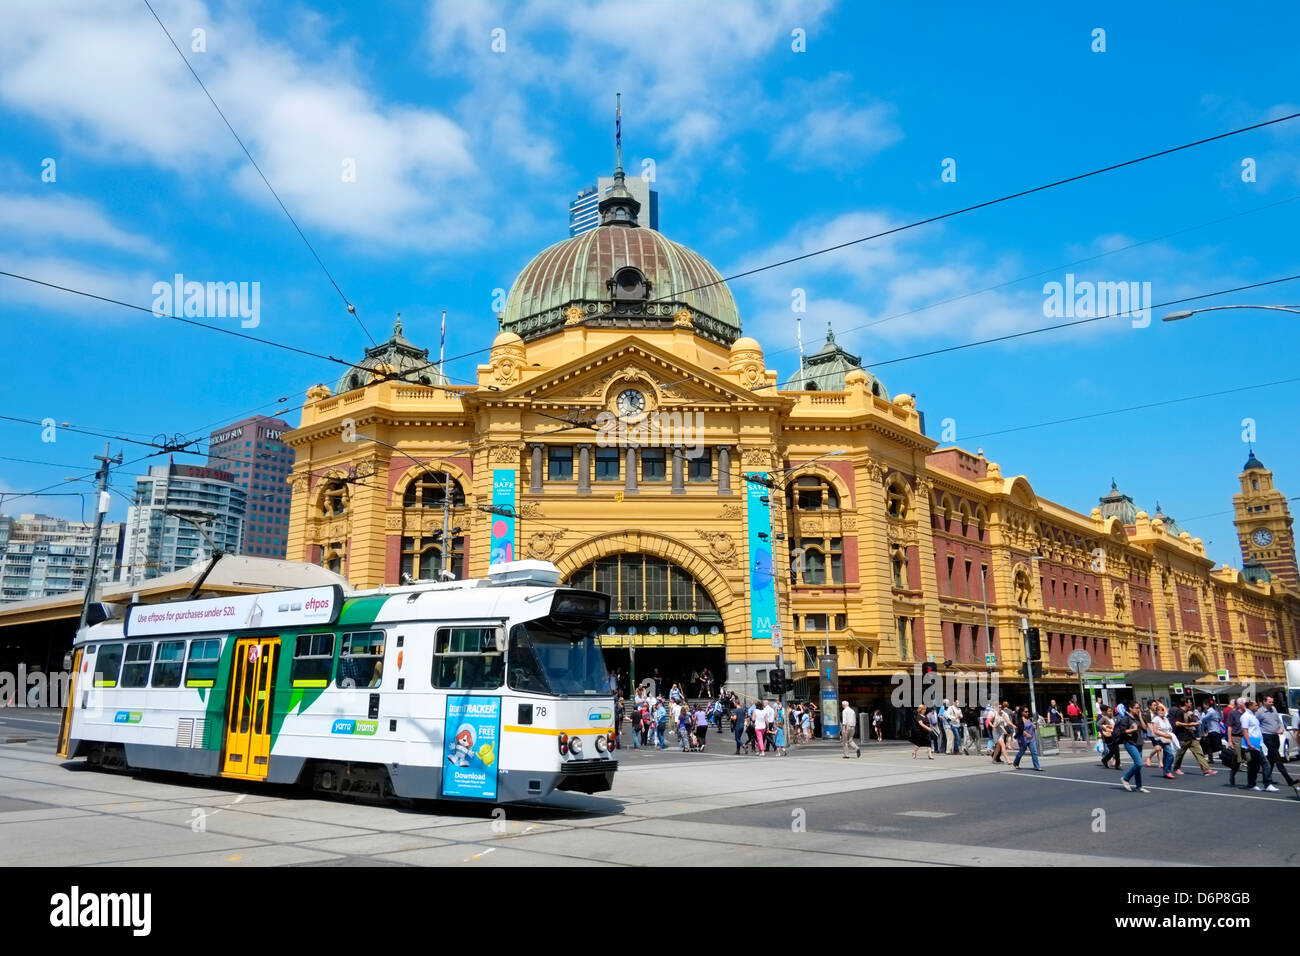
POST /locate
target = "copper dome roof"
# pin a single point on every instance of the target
(580, 272)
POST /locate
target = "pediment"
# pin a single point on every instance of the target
(592, 378)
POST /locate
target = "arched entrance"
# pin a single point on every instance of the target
(665, 623)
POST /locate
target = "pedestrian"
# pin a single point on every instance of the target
(619, 713)
(685, 726)
(1232, 729)
(778, 737)
(1129, 730)
(932, 720)
(1272, 729)
(1109, 740)
(806, 723)
(920, 734)
(1074, 713)
(1211, 729)
(1001, 726)
(661, 724)
(848, 725)
(1252, 746)
(701, 726)
(953, 716)
(1027, 738)
(877, 724)
(1162, 737)
(738, 723)
(1187, 726)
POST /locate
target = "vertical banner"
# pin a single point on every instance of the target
(762, 580)
(503, 526)
(828, 667)
(471, 737)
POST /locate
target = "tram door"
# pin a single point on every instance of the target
(65, 725)
(248, 711)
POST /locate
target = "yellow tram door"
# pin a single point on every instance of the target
(65, 725)
(248, 711)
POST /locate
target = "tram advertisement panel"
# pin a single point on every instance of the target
(473, 730)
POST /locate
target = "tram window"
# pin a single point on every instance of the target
(467, 658)
(135, 671)
(201, 669)
(313, 660)
(107, 664)
(361, 663)
(169, 664)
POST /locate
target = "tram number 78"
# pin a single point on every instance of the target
(539, 711)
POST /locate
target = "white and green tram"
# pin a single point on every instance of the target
(491, 690)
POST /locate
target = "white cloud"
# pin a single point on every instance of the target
(64, 218)
(840, 136)
(110, 84)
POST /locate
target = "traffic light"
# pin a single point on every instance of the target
(929, 667)
(776, 682)
(1033, 650)
(1037, 668)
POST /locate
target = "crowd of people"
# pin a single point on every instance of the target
(1245, 735)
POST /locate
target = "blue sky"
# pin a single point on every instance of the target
(466, 159)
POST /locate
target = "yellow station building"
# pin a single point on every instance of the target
(615, 427)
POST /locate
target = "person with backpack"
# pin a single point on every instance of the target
(1109, 739)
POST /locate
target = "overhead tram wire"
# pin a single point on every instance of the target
(982, 205)
(352, 310)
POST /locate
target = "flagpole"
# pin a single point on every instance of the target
(442, 343)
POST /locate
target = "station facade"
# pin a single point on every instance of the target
(624, 429)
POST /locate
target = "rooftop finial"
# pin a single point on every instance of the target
(397, 326)
(830, 334)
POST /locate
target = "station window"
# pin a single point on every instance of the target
(700, 465)
(107, 664)
(653, 464)
(201, 668)
(169, 663)
(559, 465)
(361, 662)
(607, 464)
(467, 658)
(135, 670)
(313, 660)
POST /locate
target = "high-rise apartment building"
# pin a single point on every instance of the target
(259, 462)
(41, 556)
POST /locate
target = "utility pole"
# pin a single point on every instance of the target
(102, 508)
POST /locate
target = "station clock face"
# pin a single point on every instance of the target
(630, 402)
(1262, 538)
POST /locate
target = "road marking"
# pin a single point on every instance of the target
(1116, 785)
(935, 814)
(484, 853)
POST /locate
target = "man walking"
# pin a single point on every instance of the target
(1186, 726)
(848, 724)
(1211, 729)
(1252, 745)
(1232, 728)
(1110, 739)
(953, 716)
(1270, 725)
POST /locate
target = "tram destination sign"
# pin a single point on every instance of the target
(273, 609)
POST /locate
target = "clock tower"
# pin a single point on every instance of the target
(1264, 527)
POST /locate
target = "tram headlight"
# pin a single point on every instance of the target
(575, 745)
(601, 745)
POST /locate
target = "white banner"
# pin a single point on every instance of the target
(274, 609)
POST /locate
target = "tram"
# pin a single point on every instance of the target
(487, 690)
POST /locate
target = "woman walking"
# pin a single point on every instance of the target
(778, 734)
(1000, 732)
(1162, 737)
(877, 722)
(920, 735)
(1027, 737)
(1129, 729)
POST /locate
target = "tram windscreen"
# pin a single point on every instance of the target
(553, 657)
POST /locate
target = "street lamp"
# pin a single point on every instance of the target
(1187, 314)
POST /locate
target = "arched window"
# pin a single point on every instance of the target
(422, 558)
(334, 499)
(642, 582)
(426, 490)
(810, 493)
(814, 566)
(900, 568)
(897, 497)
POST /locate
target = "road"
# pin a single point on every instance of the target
(811, 808)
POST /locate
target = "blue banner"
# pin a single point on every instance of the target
(762, 580)
(503, 526)
(472, 738)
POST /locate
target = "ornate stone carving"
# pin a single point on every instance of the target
(849, 522)
(682, 319)
(923, 486)
(756, 457)
(722, 549)
(731, 512)
(393, 522)
(751, 374)
(505, 370)
(811, 527)
(530, 509)
(541, 544)
(506, 453)
(874, 469)
(901, 532)
(573, 315)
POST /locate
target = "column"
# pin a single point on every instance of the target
(679, 488)
(584, 469)
(630, 470)
(724, 469)
(535, 487)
